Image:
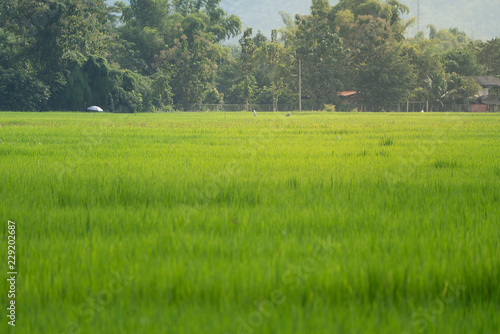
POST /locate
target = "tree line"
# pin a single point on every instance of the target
(169, 54)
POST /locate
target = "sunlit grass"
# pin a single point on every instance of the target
(189, 222)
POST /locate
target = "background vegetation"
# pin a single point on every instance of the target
(166, 54)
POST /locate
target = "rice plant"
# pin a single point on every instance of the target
(213, 223)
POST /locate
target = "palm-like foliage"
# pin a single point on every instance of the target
(437, 87)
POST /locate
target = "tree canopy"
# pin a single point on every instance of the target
(170, 54)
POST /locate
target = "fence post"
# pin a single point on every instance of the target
(426, 106)
(407, 105)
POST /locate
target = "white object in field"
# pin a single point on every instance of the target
(254, 114)
(288, 115)
(422, 110)
(94, 108)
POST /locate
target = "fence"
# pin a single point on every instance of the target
(237, 107)
(308, 106)
(406, 107)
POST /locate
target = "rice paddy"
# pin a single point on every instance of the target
(226, 223)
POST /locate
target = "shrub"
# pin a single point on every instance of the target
(19, 91)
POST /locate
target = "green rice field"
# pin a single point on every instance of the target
(230, 224)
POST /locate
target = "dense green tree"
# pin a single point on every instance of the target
(463, 89)
(138, 48)
(447, 39)
(288, 32)
(259, 39)
(75, 92)
(264, 71)
(246, 86)
(57, 33)
(488, 55)
(181, 40)
(424, 57)
(444, 63)
(218, 23)
(436, 87)
(274, 52)
(99, 78)
(161, 91)
(20, 91)
(53, 39)
(228, 75)
(9, 50)
(319, 48)
(194, 67)
(382, 74)
(461, 61)
(68, 54)
(448, 88)
(148, 13)
(391, 11)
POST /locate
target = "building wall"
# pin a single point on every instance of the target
(478, 107)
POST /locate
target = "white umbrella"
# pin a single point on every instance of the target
(94, 108)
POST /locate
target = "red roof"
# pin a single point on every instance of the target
(346, 93)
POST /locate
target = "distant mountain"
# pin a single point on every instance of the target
(477, 18)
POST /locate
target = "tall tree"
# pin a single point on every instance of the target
(462, 61)
(58, 33)
(247, 84)
(54, 38)
(273, 53)
(391, 11)
(194, 63)
(449, 88)
(181, 41)
(319, 48)
(382, 74)
(488, 55)
(149, 13)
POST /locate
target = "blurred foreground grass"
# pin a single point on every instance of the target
(214, 223)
